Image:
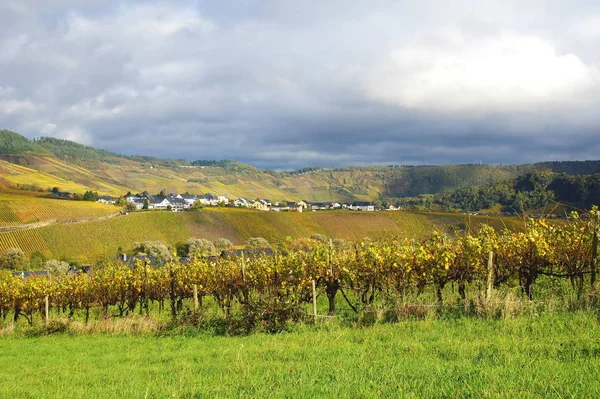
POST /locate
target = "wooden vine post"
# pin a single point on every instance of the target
(47, 308)
(314, 299)
(491, 275)
(196, 303)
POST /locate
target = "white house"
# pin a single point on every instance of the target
(241, 202)
(362, 206)
(222, 198)
(107, 200)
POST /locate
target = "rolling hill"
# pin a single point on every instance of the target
(49, 162)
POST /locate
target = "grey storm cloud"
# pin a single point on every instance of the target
(286, 84)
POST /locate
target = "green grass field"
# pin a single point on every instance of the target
(553, 355)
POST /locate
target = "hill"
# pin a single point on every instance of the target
(19, 209)
(50, 162)
(89, 241)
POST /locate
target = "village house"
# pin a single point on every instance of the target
(261, 205)
(177, 204)
(223, 199)
(158, 203)
(138, 202)
(294, 207)
(190, 199)
(362, 206)
(105, 199)
(241, 202)
(209, 199)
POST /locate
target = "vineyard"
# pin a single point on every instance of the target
(17, 209)
(90, 241)
(272, 290)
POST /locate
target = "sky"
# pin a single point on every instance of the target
(286, 84)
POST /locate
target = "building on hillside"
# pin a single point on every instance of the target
(158, 203)
(294, 207)
(223, 199)
(241, 202)
(105, 199)
(362, 206)
(303, 204)
(190, 199)
(177, 204)
(261, 205)
(138, 202)
(209, 199)
(34, 273)
(320, 206)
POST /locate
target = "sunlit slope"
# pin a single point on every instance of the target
(44, 173)
(19, 208)
(89, 241)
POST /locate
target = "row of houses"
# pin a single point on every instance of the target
(178, 202)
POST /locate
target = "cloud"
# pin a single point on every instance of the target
(282, 84)
(506, 73)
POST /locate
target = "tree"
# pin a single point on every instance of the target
(90, 196)
(223, 243)
(157, 249)
(36, 260)
(200, 247)
(130, 207)
(121, 202)
(146, 204)
(13, 259)
(56, 267)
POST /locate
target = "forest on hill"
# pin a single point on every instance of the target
(535, 190)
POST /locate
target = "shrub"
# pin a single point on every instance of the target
(257, 242)
(13, 259)
(200, 247)
(223, 243)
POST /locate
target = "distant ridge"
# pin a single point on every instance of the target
(47, 162)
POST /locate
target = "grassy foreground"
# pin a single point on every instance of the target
(551, 355)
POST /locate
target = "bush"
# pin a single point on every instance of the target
(56, 267)
(200, 247)
(257, 242)
(268, 314)
(158, 249)
(319, 237)
(13, 259)
(223, 243)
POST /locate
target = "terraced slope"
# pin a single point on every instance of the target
(18, 208)
(87, 242)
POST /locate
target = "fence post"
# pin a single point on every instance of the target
(195, 298)
(47, 307)
(314, 298)
(490, 285)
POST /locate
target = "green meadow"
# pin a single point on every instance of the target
(551, 355)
